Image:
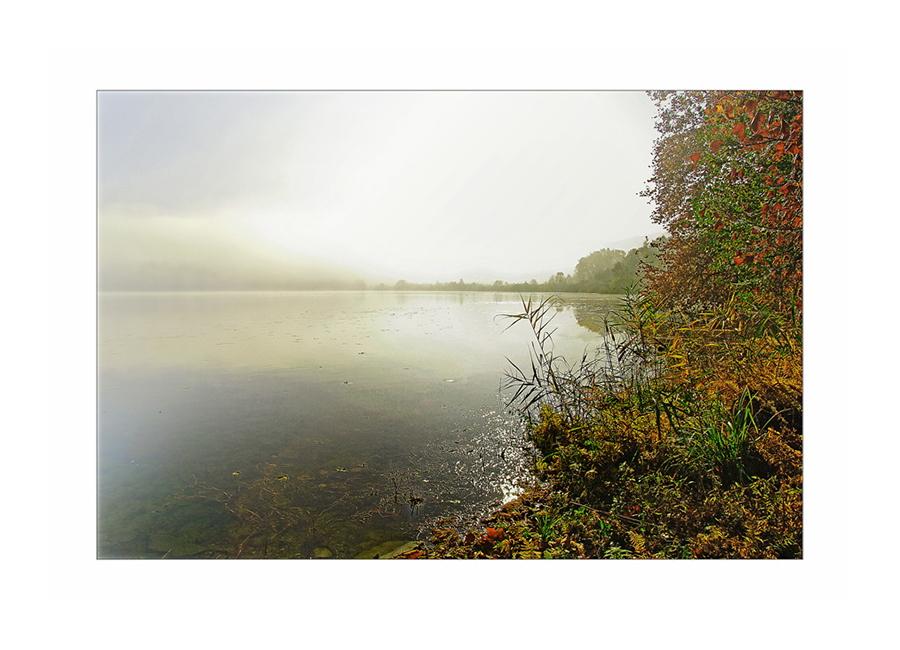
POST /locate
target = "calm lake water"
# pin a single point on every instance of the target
(306, 424)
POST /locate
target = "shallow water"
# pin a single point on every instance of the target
(306, 424)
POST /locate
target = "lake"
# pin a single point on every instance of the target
(307, 424)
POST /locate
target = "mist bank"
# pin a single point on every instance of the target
(179, 254)
(172, 277)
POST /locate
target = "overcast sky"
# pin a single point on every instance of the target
(421, 186)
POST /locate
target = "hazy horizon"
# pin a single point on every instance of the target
(281, 190)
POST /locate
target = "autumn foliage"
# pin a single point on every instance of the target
(728, 187)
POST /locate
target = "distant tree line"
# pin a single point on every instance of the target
(603, 271)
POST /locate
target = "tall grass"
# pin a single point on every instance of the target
(550, 380)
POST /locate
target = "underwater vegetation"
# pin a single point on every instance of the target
(271, 511)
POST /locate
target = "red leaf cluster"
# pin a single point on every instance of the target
(494, 534)
(737, 219)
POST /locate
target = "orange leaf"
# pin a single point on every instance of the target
(715, 145)
(757, 122)
(739, 129)
(751, 106)
(739, 259)
(695, 158)
(494, 534)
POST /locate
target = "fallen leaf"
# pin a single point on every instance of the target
(757, 124)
